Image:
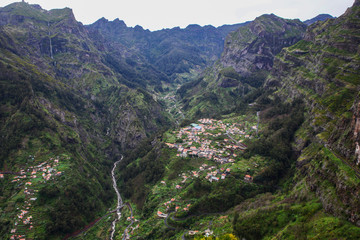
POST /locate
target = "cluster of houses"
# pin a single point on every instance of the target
(212, 174)
(46, 171)
(206, 233)
(169, 204)
(196, 141)
(217, 174)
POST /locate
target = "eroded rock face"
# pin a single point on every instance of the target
(253, 47)
(356, 129)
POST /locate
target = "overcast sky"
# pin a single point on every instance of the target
(158, 14)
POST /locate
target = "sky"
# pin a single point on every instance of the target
(159, 14)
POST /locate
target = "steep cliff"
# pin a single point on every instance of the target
(244, 65)
(323, 70)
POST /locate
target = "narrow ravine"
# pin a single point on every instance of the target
(119, 200)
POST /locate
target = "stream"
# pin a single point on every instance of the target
(119, 200)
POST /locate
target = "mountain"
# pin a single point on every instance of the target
(80, 96)
(299, 175)
(320, 17)
(61, 101)
(323, 70)
(172, 51)
(269, 149)
(244, 65)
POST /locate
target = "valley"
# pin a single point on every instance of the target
(243, 131)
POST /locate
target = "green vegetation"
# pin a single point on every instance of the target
(291, 220)
(255, 146)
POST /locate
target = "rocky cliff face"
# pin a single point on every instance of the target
(247, 58)
(253, 47)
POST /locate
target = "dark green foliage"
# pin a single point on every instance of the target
(283, 121)
(220, 196)
(148, 170)
(255, 79)
(295, 221)
(122, 68)
(187, 86)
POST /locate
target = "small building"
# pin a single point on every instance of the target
(193, 232)
(213, 178)
(162, 215)
(208, 232)
(248, 178)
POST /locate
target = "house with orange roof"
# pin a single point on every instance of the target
(248, 178)
(162, 215)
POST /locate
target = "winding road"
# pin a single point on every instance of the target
(190, 216)
(125, 235)
(239, 144)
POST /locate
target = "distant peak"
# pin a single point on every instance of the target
(138, 28)
(320, 17)
(102, 20)
(37, 6)
(267, 16)
(117, 21)
(193, 26)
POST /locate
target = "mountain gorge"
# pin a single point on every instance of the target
(279, 102)
(244, 65)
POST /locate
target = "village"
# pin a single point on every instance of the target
(29, 179)
(202, 140)
(214, 141)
